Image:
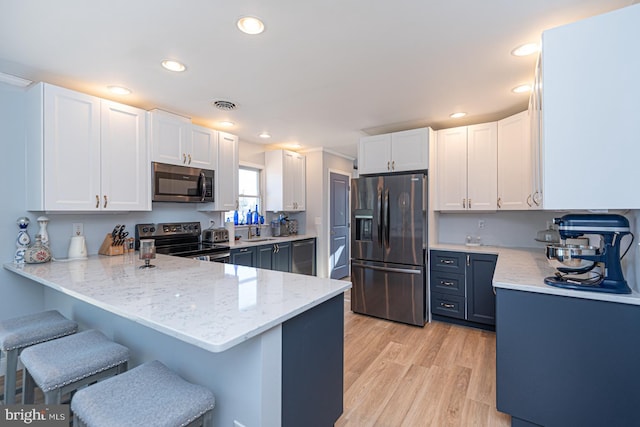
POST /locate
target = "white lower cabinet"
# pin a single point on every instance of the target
(85, 153)
(515, 163)
(466, 168)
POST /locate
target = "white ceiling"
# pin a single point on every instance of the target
(324, 73)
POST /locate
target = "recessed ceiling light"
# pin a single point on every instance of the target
(525, 49)
(119, 90)
(250, 25)
(265, 135)
(226, 123)
(172, 65)
(457, 115)
(521, 89)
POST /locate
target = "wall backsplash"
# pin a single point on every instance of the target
(516, 229)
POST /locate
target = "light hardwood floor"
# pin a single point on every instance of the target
(401, 375)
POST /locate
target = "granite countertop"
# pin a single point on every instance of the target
(212, 305)
(267, 240)
(524, 269)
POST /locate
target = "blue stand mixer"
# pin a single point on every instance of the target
(601, 265)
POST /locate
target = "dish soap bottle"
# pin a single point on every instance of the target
(256, 216)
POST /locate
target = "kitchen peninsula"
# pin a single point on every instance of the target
(268, 344)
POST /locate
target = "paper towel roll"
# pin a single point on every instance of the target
(232, 232)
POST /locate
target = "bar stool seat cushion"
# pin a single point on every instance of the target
(54, 364)
(150, 394)
(35, 328)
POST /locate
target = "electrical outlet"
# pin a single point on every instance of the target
(78, 229)
(481, 224)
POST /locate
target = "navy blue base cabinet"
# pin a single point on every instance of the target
(563, 362)
(461, 287)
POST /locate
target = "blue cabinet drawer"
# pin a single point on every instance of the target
(447, 305)
(453, 262)
(447, 283)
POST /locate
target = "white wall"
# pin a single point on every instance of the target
(319, 164)
(17, 295)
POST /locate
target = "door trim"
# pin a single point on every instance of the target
(327, 215)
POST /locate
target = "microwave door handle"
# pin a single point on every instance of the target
(203, 186)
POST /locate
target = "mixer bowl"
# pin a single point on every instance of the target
(567, 256)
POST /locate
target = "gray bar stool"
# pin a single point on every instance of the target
(18, 333)
(66, 364)
(148, 395)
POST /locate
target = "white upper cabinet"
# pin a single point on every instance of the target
(590, 95)
(84, 153)
(466, 168)
(394, 152)
(285, 181)
(226, 196)
(176, 141)
(125, 166)
(514, 163)
(203, 151)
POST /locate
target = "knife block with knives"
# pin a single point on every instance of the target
(116, 243)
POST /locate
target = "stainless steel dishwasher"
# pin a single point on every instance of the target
(303, 257)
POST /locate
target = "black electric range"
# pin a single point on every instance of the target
(181, 239)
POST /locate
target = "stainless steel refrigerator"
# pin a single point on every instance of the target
(389, 246)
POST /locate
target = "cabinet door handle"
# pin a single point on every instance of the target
(469, 203)
(464, 203)
(97, 201)
(388, 166)
(244, 250)
(189, 158)
(184, 158)
(447, 305)
(446, 283)
(499, 203)
(393, 165)
(446, 261)
(468, 260)
(529, 201)
(535, 198)
(105, 201)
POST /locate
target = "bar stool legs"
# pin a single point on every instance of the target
(18, 333)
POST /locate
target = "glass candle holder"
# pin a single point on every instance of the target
(147, 252)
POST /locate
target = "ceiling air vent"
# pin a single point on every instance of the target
(224, 105)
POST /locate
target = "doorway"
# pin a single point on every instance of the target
(339, 218)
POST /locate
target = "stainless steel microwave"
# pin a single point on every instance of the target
(172, 183)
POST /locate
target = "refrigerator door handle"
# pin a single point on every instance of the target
(388, 269)
(386, 218)
(380, 222)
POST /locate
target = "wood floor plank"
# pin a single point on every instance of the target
(402, 375)
(398, 406)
